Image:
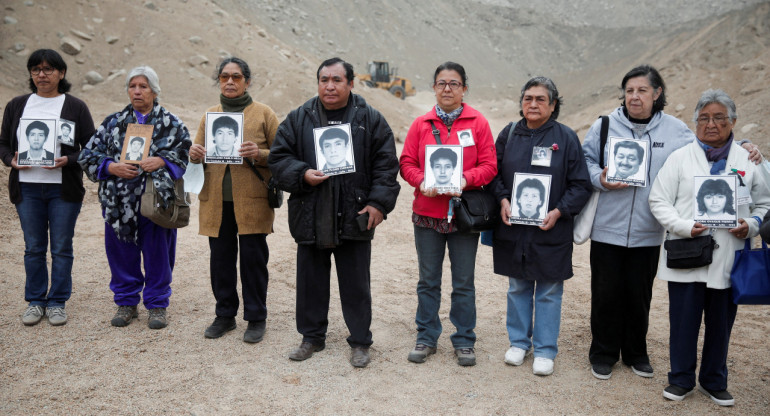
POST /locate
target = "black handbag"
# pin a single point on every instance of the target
(476, 211)
(689, 253)
(274, 195)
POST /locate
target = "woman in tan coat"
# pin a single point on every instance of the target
(234, 210)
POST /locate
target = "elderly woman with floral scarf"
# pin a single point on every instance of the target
(129, 237)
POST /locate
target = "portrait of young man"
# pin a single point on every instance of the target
(444, 168)
(530, 196)
(135, 148)
(66, 136)
(224, 137)
(37, 133)
(333, 150)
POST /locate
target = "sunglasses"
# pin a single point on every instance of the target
(223, 77)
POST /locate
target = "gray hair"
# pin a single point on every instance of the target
(553, 93)
(718, 97)
(147, 72)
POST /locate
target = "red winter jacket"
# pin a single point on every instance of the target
(479, 159)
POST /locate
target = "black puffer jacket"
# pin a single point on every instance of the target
(374, 182)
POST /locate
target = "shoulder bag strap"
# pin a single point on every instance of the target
(603, 138)
(435, 132)
(254, 168)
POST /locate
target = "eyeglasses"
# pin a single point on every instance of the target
(718, 119)
(46, 70)
(223, 77)
(452, 85)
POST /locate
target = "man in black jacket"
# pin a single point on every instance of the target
(335, 214)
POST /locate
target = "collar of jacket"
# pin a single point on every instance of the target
(356, 101)
(522, 129)
(621, 118)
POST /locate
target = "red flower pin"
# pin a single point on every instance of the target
(554, 147)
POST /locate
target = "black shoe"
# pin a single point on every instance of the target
(720, 397)
(305, 351)
(642, 370)
(359, 357)
(219, 327)
(677, 393)
(254, 332)
(124, 316)
(601, 371)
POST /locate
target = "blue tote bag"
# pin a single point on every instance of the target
(750, 275)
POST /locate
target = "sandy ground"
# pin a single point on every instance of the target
(89, 367)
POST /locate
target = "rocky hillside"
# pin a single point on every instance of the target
(585, 46)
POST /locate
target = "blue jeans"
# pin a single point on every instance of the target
(547, 315)
(42, 211)
(430, 246)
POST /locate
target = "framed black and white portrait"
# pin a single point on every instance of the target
(334, 149)
(628, 161)
(529, 198)
(444, 168)
(224, 137)
(65, 132)
(37, 146)
(715, 201)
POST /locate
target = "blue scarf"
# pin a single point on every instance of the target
(448, 118)
(717, 155)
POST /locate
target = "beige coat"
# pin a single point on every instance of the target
(252, 213)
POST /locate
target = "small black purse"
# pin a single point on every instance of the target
(476, 211)
(690, 253)
(274, 195)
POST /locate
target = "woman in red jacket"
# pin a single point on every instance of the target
(455, 123)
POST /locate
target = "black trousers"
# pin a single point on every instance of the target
(621, 291)
(224, 276)
(352, 259)
(689, 304)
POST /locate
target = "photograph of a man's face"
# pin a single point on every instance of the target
(443, 168)
(627, 161)
(529, 198)
(135, 148)
(334, 149)
(65, 133)
(224, 136)
(36, 147)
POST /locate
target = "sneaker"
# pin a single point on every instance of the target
(601, 371)
(124, 315)
(254, 332)
(642, 370)
(157, 318)
(305, 351)
(32, 315)
(542, 366)
(676, 393)
(465, 356)
(420, 353)
(720, 397)
(359, 357)
(515, 356)
(220, 326)
(56, 315)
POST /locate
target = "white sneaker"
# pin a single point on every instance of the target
(32, 315)
(515, 356)
(542, 366)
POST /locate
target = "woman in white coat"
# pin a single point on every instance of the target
(705, 291)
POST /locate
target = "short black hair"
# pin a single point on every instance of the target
(531, 183)
(37, 124)
(444, 153)
(451, 66)
(656, 81)
(51, 57)
(65, 125)
(137, 139)
(349, 74)
(629, 144)
(333, 133)
(715, 187)
(224, 122)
